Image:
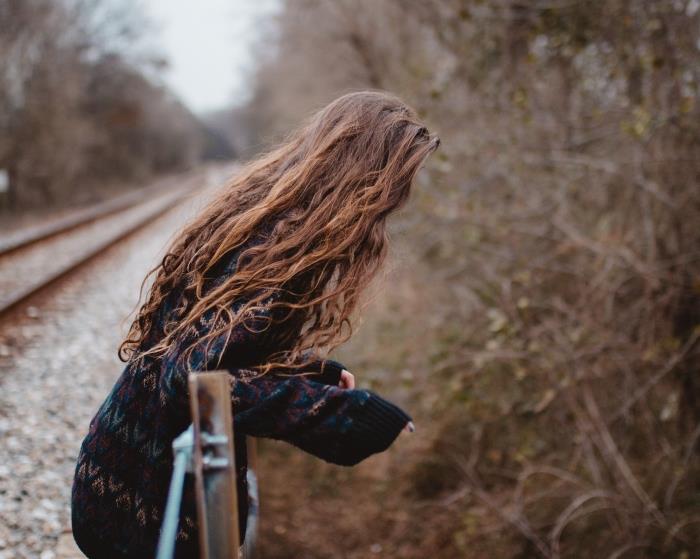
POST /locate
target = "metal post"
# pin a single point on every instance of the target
(182, 449)
(251, 532)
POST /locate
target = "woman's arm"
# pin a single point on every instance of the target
(341, 426)
(338, 425)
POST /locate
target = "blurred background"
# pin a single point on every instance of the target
(543, 318)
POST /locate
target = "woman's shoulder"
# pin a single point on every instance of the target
(230, 261)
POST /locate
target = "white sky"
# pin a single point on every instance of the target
(208, 45)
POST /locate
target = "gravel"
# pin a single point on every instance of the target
(57, 363)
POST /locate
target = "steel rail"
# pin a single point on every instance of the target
(12, 242)
(23, 295)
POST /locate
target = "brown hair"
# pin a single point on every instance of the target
(323, 196)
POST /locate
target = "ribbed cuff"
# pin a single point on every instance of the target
(382, 420)
(376, 424)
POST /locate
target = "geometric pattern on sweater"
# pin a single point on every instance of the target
(125, 461)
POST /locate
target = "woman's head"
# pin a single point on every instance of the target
(322, 197)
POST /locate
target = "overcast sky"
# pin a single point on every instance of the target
(208, 44)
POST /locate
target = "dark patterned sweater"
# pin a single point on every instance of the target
(125, 462)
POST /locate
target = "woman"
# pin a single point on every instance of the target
(267, 275)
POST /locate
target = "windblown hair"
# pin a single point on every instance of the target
(322, 197)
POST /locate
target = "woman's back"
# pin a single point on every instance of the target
(268, 274)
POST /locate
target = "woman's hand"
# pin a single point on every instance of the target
(347, 379)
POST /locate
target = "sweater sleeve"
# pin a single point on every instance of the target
(309, 411)
(340, 426)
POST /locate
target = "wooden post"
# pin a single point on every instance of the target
(214, 465)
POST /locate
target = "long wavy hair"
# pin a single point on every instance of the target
(322, 197)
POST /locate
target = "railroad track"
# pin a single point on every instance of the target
(24, 238)
(33, 260)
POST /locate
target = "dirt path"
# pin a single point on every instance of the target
(314, 510)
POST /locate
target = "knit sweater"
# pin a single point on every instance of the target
(125, 461)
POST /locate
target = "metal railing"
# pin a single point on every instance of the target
(205, 450)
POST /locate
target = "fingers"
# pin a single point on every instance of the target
(347, 380)
(410, 427)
